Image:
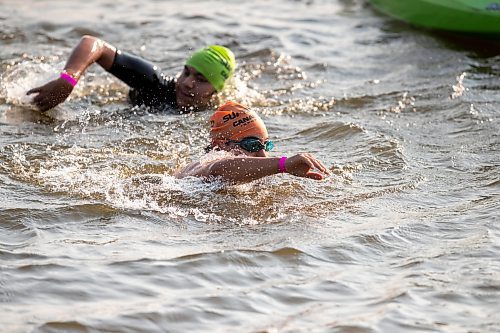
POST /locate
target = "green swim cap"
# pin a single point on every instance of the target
(215, 62)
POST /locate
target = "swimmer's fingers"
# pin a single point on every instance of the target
(39, 98)
(34, 91)
(320, 166)
(314, 163)
(314, 175)
(47, 103)
(301, 165)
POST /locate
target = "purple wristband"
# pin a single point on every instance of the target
(69, 78)
(282, 164)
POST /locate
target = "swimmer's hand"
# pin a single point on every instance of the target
(51, 94)
(300, 165)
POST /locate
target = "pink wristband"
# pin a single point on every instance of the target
(282, 164)
(69, 78)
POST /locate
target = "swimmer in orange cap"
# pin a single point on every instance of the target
(240, 131)
(204, 75)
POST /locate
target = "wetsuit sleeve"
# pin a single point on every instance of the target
(134, 71)
(149, 85)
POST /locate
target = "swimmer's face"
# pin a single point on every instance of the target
(193, 90)
(237, 150)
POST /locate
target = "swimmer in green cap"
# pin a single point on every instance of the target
(203, 76)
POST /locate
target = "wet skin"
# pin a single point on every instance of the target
(192, 89)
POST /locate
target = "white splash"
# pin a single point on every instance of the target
(23, 76)
(404, 103)
(459, 88)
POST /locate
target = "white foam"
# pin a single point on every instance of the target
(459, 88)
(21, 77)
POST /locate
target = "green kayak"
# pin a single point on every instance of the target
(471, 16)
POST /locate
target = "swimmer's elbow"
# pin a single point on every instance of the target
(94, 43)
(89, 38)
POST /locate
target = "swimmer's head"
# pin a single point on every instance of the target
(216, 63)
(233, 122)
(233, 127)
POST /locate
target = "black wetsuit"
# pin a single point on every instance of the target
(148, 85)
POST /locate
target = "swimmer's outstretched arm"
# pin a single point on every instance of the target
(89, 50)
(243, 169)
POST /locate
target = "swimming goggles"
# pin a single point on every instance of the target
(253, 144)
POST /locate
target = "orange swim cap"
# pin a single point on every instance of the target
(233, 121)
